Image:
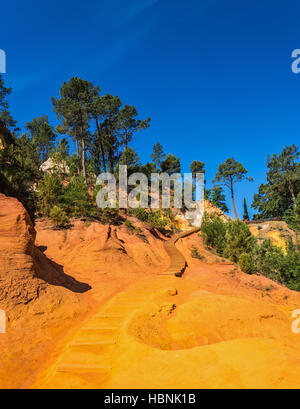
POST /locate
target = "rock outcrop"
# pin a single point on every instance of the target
(49, 166)
(25, 272)
(18, 285)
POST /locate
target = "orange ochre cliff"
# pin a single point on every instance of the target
(87, 307)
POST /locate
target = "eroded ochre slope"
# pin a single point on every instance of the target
(126, 326)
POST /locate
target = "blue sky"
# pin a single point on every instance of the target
(214, 76)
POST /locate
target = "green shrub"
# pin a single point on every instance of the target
(49, 194)
(78, 200)
(195, 253)
(247, 264)
(292, 219)
(213, 231)
(156, 220)
(59, 217)
(238, 240)
(235, 241)
(110, 216)
(140, 213)
(129, 226)
(269, 260)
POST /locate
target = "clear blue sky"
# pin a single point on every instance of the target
(214, 75)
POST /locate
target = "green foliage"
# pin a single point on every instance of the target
(148, 169)
(59, 217)
(171, 165)
(111, 216)
(247, 264)
(140, 213)
(130, 158)
(229, 173)
(129, 225)
(74, 164)
(5, 115)
(246, 214)
(270, 260)
(42, 136)
(279, 194)
(19, 163)
(157, 220)
(213, 231)
(234, 240)
(292, 216)
(77, 199)
(216, 196)
(128, 124)
(238, 240)
(49, 194)
(62, 148)
(19, 169)
(197, 167)
(195, 253)
(74, 108)
(158, 156)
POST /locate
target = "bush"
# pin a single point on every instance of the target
(156, 220)
(140, 213)
(213, 231)
(238, 240)
(111, 216)
(129, 225)
(234, 240)
(195, 253)
(247, 264)
(50, 193)
(78, 200)
(269, 260)
(59, 217)
(292, 219)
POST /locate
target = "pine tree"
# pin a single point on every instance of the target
(5, 115)
(42, 136)
(216, 196)
(229, 173)
(279, 194)
(171, 165)
(74, 107)
(158, 156)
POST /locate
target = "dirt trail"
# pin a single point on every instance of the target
(177, 261)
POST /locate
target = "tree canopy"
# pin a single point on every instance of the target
(229, 173)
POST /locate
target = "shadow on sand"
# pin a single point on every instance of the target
(54, 274)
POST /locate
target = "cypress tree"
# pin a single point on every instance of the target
(246, 214)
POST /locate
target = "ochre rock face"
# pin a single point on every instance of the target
(17, 236)
(39, 300)
(97, 287)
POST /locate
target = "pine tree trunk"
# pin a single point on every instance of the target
(111, 161)
(83, 160)
(232, 199)
(292, 193)
(101, 146)
(77, 154)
